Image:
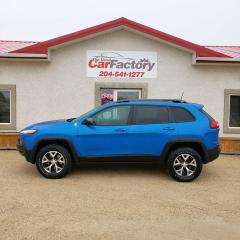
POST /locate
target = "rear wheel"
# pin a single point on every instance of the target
(184, 164)
(53, 161)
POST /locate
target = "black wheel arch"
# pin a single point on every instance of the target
(195, 144)
(55, 140)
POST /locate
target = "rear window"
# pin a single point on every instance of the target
(147, 114)
(182, 115)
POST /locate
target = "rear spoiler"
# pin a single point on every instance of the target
(198, 105)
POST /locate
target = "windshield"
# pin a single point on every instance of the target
(92, 110)
(83, 115)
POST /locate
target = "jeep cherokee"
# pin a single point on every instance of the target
(180, 134)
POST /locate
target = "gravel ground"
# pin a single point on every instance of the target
(119, 202)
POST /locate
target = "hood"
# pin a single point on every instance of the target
(47, 124)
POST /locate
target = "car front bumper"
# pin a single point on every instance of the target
(27, 154)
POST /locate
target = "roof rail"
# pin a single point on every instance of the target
(154, 100)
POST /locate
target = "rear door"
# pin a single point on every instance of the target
(151, 129)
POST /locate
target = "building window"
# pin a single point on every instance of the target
(119, 91)
(5, 102)
(232, 111)
(234, 118)
(7, 107)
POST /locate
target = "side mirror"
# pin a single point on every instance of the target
(88, 122)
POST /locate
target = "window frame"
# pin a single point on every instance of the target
(116, 91)
(149, 105)
(12, 124)
(226, 118)
(130, 116)
(119, 85)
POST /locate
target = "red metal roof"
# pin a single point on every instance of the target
(42, 48)
(9, 46)
(231, 51)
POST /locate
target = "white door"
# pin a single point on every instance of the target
(126, 94)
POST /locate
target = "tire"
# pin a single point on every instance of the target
(184, 164)
(53, 161)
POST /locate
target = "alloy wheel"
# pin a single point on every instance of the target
(185, 165)
(53, 162)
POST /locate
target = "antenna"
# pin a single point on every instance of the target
(182, 95)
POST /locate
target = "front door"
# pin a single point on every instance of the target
(109, 136)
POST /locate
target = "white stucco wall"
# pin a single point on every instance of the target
(61, 89)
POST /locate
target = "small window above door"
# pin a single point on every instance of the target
(126, 94)
(113, 95)
(105, 91)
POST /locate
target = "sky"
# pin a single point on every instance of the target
(206, 22)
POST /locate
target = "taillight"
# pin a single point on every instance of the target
(214, 124)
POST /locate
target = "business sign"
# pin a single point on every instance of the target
(106, 96)
(121, 64)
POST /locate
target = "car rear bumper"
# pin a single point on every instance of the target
(21, 148)
(212, 154)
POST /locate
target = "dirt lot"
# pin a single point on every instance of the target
(126, 202)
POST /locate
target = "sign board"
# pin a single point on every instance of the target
(121, 64)
(106, 96)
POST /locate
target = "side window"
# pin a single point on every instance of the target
(182, 115)
(113, 116)
(147, 114)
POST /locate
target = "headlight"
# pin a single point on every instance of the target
(30, 131)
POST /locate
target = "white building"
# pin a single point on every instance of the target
(66, 76)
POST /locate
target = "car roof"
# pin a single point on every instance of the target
(154, 100)
(164, 102)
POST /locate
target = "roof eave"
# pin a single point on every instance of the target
(22, 56)
(214, 60)
(43, 47)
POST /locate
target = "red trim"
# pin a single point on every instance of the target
(42, 48)
(217, 62)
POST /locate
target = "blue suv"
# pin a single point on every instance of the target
(174, 132)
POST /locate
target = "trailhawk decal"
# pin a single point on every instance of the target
(123, 64)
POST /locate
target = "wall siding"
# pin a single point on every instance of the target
(8, 140)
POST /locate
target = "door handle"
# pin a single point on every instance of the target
(168, 128)
(120, 130)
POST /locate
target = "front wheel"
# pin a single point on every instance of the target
(53, 161)
(184, 164)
